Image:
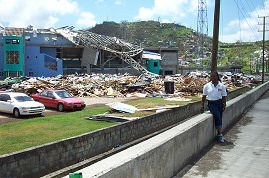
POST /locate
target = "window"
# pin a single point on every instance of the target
(23, 98)
(12, 57)
(155, 64)
(27, 38)
(50, 94)
(1, 74)
(13, 73)
(4, 97)
(46, 38)
(63, 94)
(31, 74)
(44, 94)
(54, 38)
(12, 41)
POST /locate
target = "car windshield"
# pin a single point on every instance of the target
(23, 98)
(63, 94)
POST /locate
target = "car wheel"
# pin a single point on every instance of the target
(16, 113)
(60, 107)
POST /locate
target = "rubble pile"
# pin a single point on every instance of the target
(192, 85)
(100, 85)
(86, 85)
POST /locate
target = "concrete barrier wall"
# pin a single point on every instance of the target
(168, 153)
(47, 158)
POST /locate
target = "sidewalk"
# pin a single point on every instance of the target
(245, 152)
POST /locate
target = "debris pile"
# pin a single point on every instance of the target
(192, 85)
(100, 85)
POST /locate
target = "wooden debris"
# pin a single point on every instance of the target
(104, 85)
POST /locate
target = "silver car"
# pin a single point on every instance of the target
(19, 104)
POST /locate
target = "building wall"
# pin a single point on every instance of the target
(11, 68)
(169, 62)
(1, 56)
(37, 52)
(35, 58)
(153, 66)
(49, 51)
(46, 40)
(1, 62)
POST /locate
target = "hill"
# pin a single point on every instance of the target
(246, 54)
(151, 34)
(156, 34)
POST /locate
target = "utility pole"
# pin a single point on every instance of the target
(263, 41)
(202, 28)
(215, 36)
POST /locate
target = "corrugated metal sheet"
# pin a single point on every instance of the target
(154, 56)
(11, 31)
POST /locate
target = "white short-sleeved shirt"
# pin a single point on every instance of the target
(214, 93)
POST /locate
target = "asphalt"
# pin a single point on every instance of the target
(245, 152)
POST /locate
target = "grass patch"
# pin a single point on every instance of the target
(41, 130)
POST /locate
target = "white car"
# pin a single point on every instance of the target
(19, 104)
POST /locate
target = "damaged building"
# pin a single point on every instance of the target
(49, 52)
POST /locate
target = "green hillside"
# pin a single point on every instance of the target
(149, 33)
(243, 54)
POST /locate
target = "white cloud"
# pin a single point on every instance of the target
(118, 2)
(87, 19)
(169, 7)
(145, 14)
(232, 25)
(238, 36)
(246, 29)
(165, 21)
(174, 9)
(41, 14)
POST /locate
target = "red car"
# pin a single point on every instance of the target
(59, 99)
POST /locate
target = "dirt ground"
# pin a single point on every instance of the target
(91, 102)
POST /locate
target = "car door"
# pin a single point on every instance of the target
(51, 100)
(6, 105)
(1, 102)
(43, 97)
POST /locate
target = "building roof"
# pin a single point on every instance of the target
(12, 31)
(151, 55)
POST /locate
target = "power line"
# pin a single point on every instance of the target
(250, 18)
(246, 19)
(239, 25)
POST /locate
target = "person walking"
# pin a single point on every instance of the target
(215, 93)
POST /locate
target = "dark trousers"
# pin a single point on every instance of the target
(215, 107)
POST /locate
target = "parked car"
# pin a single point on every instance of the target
(59, 99)
(19, 104)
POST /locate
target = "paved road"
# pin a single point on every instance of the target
(246, 152)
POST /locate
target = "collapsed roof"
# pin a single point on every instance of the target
(118, 47)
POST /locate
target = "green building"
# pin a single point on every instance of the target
(152, 61)
(13, 51)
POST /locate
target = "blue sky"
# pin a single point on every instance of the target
(238, 18)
